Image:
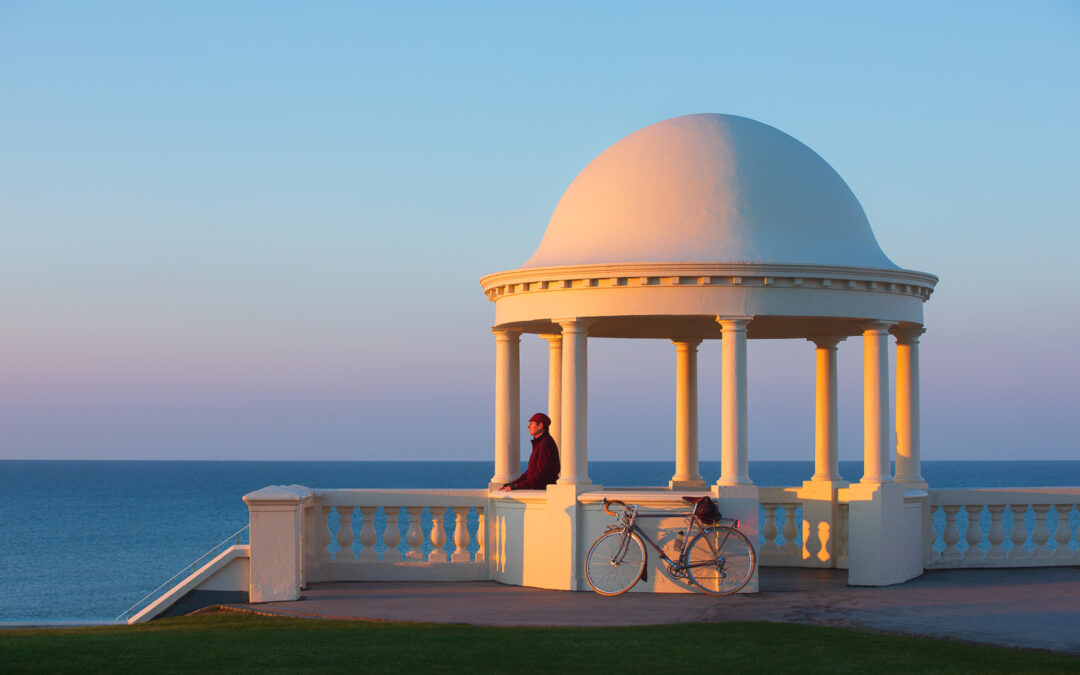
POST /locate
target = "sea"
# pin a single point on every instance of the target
(84, 540)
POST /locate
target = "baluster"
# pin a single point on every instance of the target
(345, 534)
(391, 536)
(951, 534)
(438, 534)
(414, 537)
(1062, 533)
(481, 534)
(461, 534)
(933, 535)
(367, 535)
(1040, 534)
(1018, 535)
(790, 531)
(996, 535)
(769, 529)
(813, 546)
(973, 536)
(324, 545)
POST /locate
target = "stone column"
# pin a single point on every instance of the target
(908, 461)
(876, 403)
(574, 417)
(826, 447)
(507, 405)
(554, 384)
(687, 473)
(734, 453)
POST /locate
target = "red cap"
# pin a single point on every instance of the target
(541, 418)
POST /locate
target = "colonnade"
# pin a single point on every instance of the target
(568, 405)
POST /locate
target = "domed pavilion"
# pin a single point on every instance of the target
(712, 227)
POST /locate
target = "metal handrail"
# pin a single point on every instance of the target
(188, 569)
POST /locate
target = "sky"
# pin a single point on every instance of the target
(255, 230)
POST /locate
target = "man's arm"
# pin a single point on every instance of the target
(516, 484)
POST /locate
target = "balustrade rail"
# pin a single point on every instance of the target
(396, 535)
(1007, 527)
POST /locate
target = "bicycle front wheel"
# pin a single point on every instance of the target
(614, 562)
(720, 560)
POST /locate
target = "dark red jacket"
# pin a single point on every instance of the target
(543, 465)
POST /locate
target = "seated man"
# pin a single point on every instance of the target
(543, 467)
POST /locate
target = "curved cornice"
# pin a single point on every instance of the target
(825, 277)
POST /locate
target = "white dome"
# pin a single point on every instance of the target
(709, 188)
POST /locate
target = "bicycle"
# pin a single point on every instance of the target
(719, 559)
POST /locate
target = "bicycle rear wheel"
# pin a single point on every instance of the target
(720, 560)
(614, 562)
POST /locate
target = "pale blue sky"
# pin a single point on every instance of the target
(255, 230)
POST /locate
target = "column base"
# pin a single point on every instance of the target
(735, 482)
(913, 483)
(826, 484)
(875, 480)
(826, 479)
(699, 484)
(581, 483)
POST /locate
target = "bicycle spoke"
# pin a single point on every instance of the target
(614, 563)
(721, 560)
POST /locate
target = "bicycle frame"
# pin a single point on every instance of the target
(676, 568)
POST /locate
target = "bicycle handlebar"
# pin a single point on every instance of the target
(607, 506)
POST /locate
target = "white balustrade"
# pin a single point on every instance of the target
(1007, 536)
(385, 514)
(993, 530)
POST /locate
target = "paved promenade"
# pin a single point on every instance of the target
(1035, 608)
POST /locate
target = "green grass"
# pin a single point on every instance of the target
(236, 642)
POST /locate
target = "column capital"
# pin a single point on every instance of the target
(685, 343)
(575, 324)
(506, 334)
(554, 339)
(826, 341)
(878, 326)
(733, 322)
(907, 335)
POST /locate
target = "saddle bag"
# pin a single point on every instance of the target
(706, 511)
